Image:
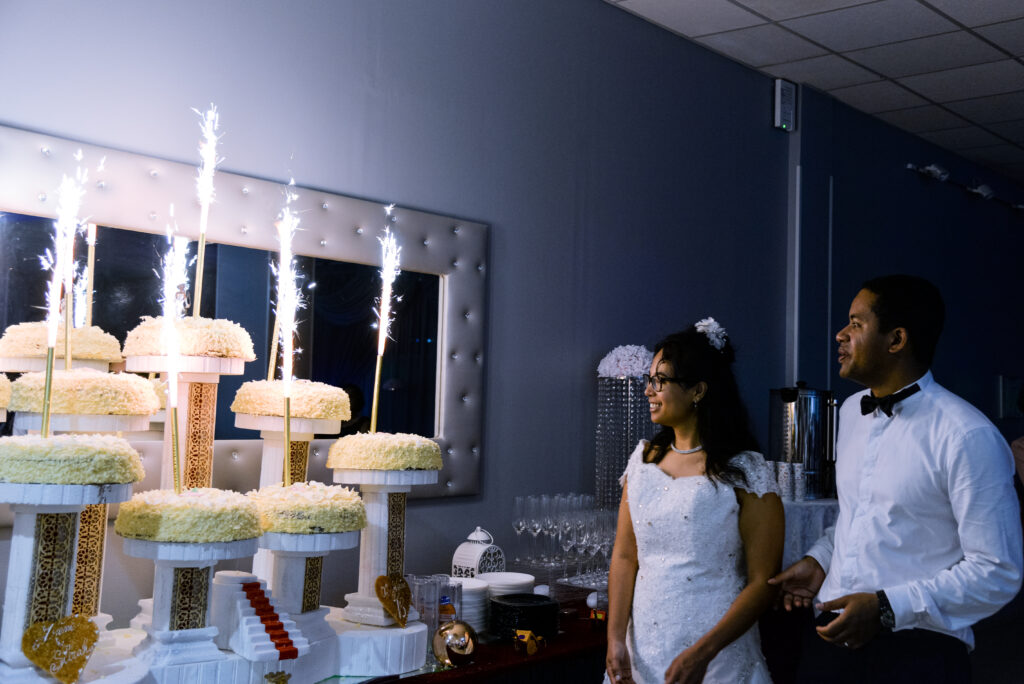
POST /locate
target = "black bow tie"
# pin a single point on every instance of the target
(869, 402)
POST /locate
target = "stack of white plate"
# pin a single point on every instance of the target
(474, 602)
(500, 583)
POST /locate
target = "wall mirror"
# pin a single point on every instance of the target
(432, 382)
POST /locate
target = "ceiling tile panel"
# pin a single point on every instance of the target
(788, 9)
(882, 96)
(826, 72)
(921, 119)
(1011, 130)
(761, 45)
(962, 138)
(921, 55)
(980, 12)
(873, 24)
(1008, 35)
(967, 82)
(693, 17)
(986, 110)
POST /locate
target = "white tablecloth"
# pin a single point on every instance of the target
(805, 522)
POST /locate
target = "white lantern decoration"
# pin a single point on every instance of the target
(477, 554)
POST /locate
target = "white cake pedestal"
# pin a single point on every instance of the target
(272, 464)
(31, 364)
(179, 633)
(198, 377)
(41, 567)
(384, 532)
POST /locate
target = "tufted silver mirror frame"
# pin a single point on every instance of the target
(135, 192)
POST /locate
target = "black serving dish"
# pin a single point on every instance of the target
(534, 612)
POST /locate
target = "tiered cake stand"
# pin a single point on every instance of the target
(370, 642)
(302, 431)
(198, 378)
(41, 569)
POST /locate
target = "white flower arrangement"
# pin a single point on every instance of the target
(628, 360)
(715, 333)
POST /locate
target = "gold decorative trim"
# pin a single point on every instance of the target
(277, 677)
(189, 598)
(300, 459)
(311, 583)
(396, 533)
(202, 412)
(53, 556)
(92, 536)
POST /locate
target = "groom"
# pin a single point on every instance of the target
(928, 538)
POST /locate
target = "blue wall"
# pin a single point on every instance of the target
(889, 219)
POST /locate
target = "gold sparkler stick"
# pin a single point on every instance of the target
(46, 392)
(376, 393)
(388, 271)
(90, 267)
(204, 188)
(175, 451)
(287, 441)
(273, 348)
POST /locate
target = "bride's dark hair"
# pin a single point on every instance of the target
(723, 424)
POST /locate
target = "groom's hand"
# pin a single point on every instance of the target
(799, 583)
(856, 625)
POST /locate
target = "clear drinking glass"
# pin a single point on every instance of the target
(534, 524)
(518, 523)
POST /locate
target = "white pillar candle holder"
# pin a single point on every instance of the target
(180, 631)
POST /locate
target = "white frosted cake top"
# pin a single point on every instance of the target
(197, 515)
(5, 391)
(29, 340)
(69, 459)
(309, 508)
(86, 391)
(196, 337)
(160, 388)
(309, 399)
(385, 451)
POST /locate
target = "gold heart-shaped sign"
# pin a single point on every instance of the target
(61, 648)
(395, 595)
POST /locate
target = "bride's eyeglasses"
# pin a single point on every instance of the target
(658, 381)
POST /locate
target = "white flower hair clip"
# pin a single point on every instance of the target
(715, 333)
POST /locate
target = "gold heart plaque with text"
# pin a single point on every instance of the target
(61, 648)
(395, 595)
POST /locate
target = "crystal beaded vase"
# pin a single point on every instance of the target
(623, 419)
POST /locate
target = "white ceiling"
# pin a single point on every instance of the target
(950, 71)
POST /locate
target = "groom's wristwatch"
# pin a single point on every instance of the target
(885, 614)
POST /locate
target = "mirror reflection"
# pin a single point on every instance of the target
(336, 333)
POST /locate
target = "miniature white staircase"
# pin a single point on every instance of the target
(247, 622)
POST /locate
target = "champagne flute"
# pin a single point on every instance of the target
(518, 522)
(534, 524)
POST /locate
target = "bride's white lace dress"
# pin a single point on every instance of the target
(691, 568)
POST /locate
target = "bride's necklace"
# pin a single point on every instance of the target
(686, 451)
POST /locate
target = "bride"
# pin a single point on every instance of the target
(700, 528)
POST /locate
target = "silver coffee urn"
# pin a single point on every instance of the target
(803, 422)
